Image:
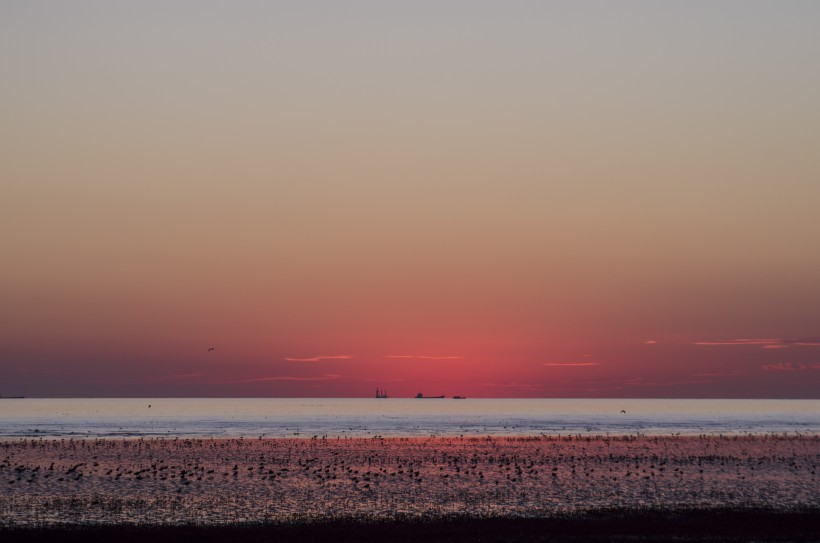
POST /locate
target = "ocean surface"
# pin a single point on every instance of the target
(305, 417)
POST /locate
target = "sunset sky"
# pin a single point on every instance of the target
(491, 199)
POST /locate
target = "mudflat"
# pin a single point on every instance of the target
(192, 484)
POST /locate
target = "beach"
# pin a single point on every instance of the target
(49, 483)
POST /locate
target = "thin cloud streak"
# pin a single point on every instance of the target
(642, 383)
(424, 357)
(573, 364)
(790, 366)
(766, 343)
(719, 374)
(176, 377)
(754, 341)
(519, 386)
(326, 377)
(319, 358)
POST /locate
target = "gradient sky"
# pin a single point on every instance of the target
(535, 199)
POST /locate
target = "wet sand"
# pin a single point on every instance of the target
(230, 482)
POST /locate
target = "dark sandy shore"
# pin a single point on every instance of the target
(541, 488)
(711, 525)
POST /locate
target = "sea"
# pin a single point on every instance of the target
(388, 417)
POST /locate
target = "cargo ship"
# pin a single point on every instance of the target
(421, 396)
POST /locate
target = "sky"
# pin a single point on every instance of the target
(490, 199)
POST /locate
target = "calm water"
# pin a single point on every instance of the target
(229, 417)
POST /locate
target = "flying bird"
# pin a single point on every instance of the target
(211, 349)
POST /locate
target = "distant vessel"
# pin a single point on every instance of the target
(381, 393)
(421, 396)
(459, 397)
(11, 397)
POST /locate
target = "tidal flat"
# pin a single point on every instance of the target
(230, 482)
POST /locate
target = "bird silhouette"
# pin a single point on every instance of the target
(211, 349)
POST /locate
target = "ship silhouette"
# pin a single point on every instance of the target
(381, 393)
(421, 396)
